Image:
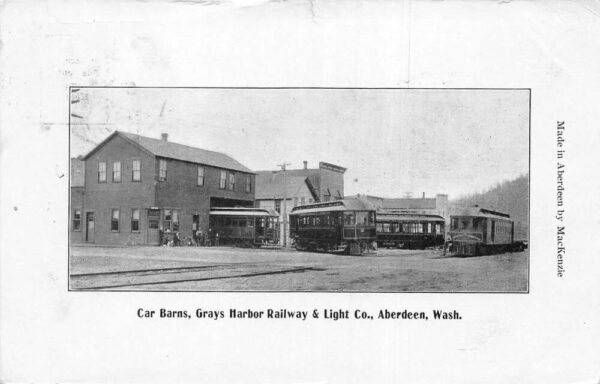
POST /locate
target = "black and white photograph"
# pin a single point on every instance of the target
(299, 189)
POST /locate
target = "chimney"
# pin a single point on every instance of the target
(164, 136)
(305, 164)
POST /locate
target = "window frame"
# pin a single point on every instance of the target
(138, 170)
(199, 177)
(133, 219)
(230, 181)
(118, 172)
(162, 177)
(223, 180)
(74, 219)
(102, 171)
(117, 219)
(248, 184)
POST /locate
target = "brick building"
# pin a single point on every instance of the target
(134, 185)
(300, 187)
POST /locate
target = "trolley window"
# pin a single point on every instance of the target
(348, 218)
(362, 218)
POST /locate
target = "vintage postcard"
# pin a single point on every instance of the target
(295, 191)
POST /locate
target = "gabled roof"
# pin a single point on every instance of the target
(270, 185)
(176, 151)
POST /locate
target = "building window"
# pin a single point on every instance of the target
(135, 220)
(170, 220)
(200, 176)
(302, 201)
(248, 184)
(162, 170)
(295, 201)
(102, 172)
(77, 220)
(116, 175)
(175, 220)
(114, 220)
(135, 171)
(278, 206)
(231, 184)
(223, 180)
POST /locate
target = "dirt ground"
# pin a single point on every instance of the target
(235, 269)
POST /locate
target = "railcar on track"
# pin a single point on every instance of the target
(410, 230)
(478, 231)
(245, 227)
(341, 226)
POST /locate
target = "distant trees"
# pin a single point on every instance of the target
(509, 196)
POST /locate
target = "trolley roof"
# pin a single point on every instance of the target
(409, 217)
(338, 205)
(243, 212)
(481, 212)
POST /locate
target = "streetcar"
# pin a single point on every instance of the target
(341, 226)
(410, 230)
(244, 227)
(478, 231)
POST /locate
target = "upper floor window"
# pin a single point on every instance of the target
(248, 184)
(200, 176)
(116, 174)
(223, 180)
(162, 170)
(114, 220)
(77, 219)
(102, 172)
(135, 171)
(231, 184)
(278, 206)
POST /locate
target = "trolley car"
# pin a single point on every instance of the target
(410, 230)
(246, 227)
(479, 231)
(342, 226)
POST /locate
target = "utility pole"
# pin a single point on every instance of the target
(285, 218)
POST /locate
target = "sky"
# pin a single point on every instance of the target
(392, 142)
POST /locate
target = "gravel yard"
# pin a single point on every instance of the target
(235, 269)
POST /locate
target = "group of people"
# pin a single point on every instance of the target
(199, 238)
(172, 239)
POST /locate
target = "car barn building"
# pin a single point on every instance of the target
(134, 186)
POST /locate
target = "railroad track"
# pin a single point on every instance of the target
(156, 276)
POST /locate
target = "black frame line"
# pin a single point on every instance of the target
(71, 87)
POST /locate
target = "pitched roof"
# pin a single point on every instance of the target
(270, 185)
(181, 152)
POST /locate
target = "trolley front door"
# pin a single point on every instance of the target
(89, 227)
